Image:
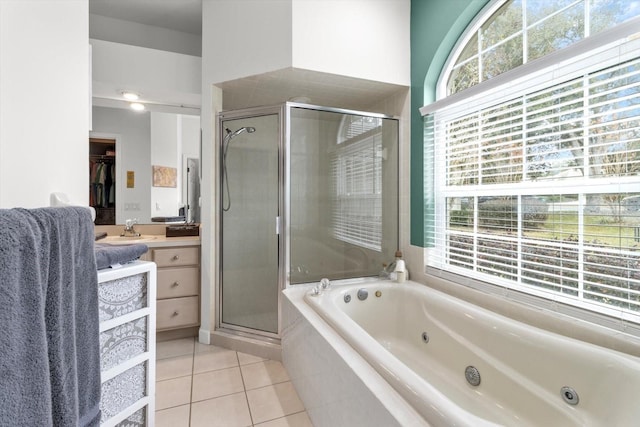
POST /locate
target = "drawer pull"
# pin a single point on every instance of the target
(175, 257)
(175, 313)
(175, 284)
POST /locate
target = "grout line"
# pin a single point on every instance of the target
(255, 363)
(282, 417)
(193, 367)
(217, 397)
(173, 378)
(244, 386)
(214, 370)
(271, 385)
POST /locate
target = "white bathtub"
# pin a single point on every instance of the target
(522, 369)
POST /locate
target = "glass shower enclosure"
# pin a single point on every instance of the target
(306, 192)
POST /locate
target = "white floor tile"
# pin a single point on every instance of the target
(214, 359)
(271, 402)
(174, 348)
(174, 367)
(263, 374)
(173, 417)
(226, 411)
(216, 383)
(246, 359)
(204, 385)
(174, 392)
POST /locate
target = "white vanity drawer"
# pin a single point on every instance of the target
(173, 257)
(177, 312)
(178, 282)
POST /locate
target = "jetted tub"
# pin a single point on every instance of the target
(431, 347)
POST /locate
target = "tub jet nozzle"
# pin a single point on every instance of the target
(472, 375)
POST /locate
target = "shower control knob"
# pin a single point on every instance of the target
(325, 283)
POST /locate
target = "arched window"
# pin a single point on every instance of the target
(520, 31)
(534, 155)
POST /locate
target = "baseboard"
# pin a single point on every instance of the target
(244, 344)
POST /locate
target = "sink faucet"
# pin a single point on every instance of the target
(128, 228)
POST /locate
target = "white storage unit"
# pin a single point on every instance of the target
(127, 309)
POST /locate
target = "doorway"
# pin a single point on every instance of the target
(102, 179)
(249, 221)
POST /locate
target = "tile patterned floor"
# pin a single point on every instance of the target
(200, 385)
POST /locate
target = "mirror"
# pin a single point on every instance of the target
(156, 159)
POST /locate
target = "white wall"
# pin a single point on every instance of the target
(211, 106)
(133, 33)
(157, 75)
(190, 142)
(357, 38)
(245, 38)
(44, 101)
(190, 126)
(133, 130)
(165, 151)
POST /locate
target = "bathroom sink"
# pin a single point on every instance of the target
(124, 240)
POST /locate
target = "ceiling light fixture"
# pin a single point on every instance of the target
(137, 106)
(131, 96)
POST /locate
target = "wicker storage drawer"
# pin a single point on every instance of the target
(127, 303)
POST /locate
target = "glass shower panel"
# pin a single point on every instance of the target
(250, 200)
(343, 194)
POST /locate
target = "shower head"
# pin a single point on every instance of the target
(237, 132)
(225, 145)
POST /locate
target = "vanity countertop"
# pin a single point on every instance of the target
(151, 235)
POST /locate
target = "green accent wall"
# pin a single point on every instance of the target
(436, 26)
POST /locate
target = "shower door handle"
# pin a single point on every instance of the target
(278, 225)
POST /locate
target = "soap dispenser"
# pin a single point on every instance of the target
(401, 269)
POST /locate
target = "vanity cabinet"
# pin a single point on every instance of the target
(127, 344)
(178, 289)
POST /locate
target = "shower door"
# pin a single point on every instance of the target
(250, 213)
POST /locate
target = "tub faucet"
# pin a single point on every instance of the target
(324, 284)
(128, 228)
(320, 287)
(386, 271)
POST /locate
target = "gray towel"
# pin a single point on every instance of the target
(107, 255)
(49, 327)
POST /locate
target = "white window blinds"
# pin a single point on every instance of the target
(357, 182)
(536, 185)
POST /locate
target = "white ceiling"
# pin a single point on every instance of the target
(179, 15)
